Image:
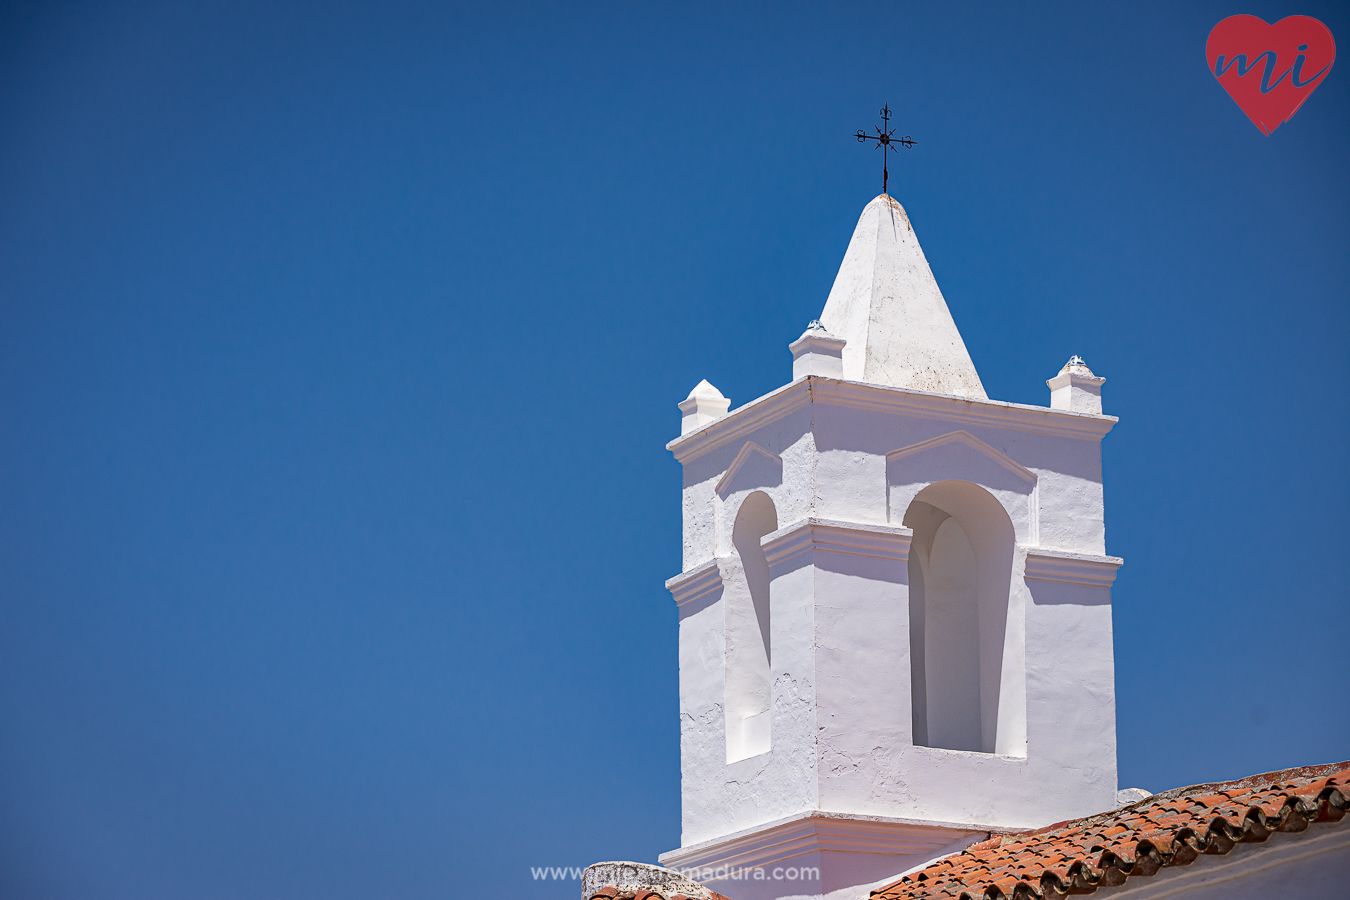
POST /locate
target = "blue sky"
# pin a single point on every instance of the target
(339, 345)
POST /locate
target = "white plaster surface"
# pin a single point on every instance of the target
(1029, 712)
(886, 304)
(841, 463)
(837, 443)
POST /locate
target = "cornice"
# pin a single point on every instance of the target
(1075, 568)
(689, 586)
(885, 399)
(818, 831)
(886, 541)
(743, 421)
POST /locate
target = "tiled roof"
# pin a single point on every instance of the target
(1169, 829)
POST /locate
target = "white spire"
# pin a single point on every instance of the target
(886, 304)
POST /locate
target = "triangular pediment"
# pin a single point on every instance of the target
(959, 454)
(753, 467)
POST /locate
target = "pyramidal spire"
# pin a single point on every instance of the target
(886, 304)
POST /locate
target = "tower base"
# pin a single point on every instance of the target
(818, 855)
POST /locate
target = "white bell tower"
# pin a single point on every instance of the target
(895, 609)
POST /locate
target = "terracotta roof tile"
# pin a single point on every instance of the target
(1168, 829)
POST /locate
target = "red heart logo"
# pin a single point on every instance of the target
(1270, 69)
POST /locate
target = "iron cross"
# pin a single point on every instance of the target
(886, 139)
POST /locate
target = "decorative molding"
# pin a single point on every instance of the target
(739, 462)
(947, 407)
(887, 541)
(971, 441)
(689, 586)
(1075, 568)
(744, 421)
(818, 831)
(885, 399)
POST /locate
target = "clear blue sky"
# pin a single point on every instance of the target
(339, 344)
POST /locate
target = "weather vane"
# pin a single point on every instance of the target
(886, 139)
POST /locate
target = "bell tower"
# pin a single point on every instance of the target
(895, 609)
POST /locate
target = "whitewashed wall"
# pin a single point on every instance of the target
(841, 462)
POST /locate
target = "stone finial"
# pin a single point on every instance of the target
(1075, 388)
(606, 880)
(1126, 796)
(704, 404)
(817, 352)
(1076, 366)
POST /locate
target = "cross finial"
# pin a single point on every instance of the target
(886, 139)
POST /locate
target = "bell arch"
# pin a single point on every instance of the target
(746, 611)
(967, 666)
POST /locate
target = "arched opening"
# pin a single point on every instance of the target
(748, 649)
(965, 673)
